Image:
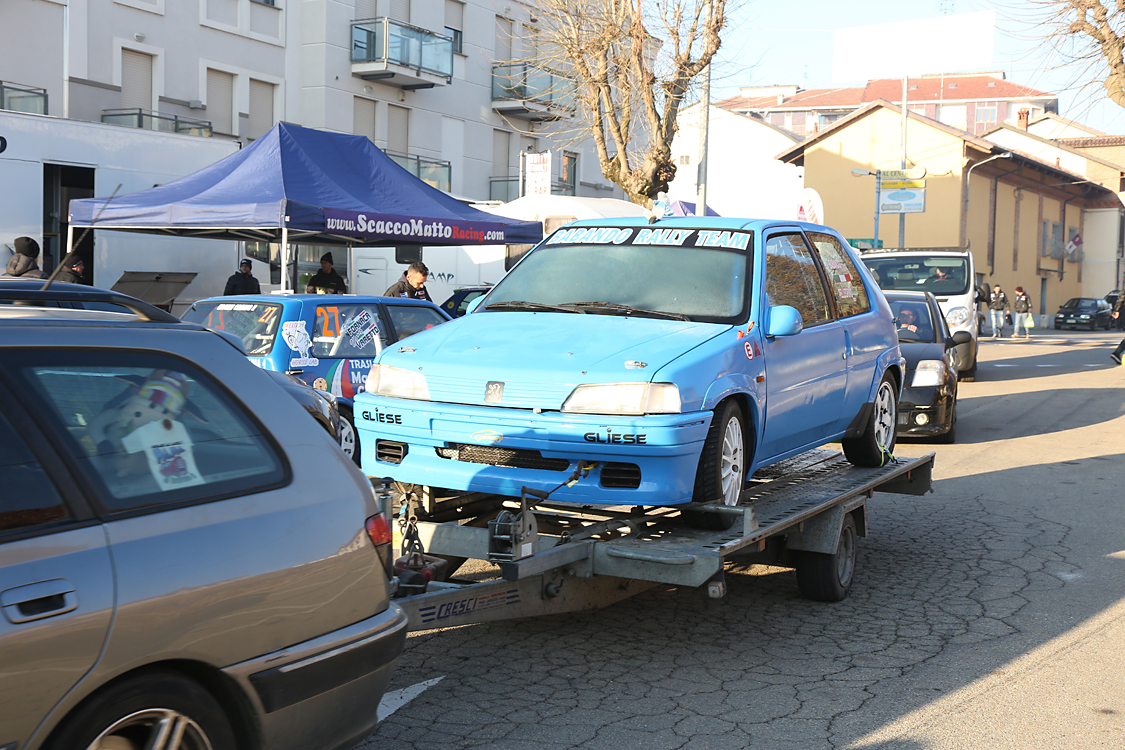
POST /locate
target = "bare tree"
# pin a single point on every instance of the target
(1092, 34)
(633, 63)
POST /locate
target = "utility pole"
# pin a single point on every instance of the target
(704, 119)
(902, 216)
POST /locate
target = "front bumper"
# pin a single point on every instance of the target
(499, 450)
(324, 692)
(925, 412)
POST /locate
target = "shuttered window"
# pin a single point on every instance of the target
(261, 108)
(398, 129)
(529, 145)
(501, 140)
(365, 9)
(454, 22)
(136, 79)
(503, 39)
(400, 10)
(363, 117)
(220, 98)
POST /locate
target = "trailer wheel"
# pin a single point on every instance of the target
(875, 445)
(828, 578)
(722, 468)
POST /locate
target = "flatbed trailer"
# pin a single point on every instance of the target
(805, 512)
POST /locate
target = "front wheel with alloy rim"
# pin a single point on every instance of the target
(722, 467)
(349, 436)
(154, 711)
(828, 577)
(875, 445)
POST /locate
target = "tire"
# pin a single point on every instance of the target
(877, 442)
(948, 438)
(128, 716)
(722, 467)
(828, 578)
(349, 435)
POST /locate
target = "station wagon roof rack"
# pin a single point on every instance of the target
(12, 289)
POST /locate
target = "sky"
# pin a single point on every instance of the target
(769, 42)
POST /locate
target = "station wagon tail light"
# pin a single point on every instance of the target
(929, 373)
(379, 531)
(397, 383)
(624, 398)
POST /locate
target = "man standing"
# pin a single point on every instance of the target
(243, 282)
(1021, 306)
(72, 269)
(1118, 313)
(22, 264)
(998, 308)
(412, 285)
(327, 281)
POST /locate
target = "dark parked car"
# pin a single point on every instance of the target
(1085, 312)
(928, 406)
(184, 563)
(458, 304)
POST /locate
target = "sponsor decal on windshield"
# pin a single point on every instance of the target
(673, 237)
(357, 224)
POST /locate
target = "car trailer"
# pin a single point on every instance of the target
(806, 512)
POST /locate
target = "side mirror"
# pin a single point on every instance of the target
(475, 304)
(784, 321)
(961, 337)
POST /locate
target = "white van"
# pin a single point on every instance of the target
(950, 275)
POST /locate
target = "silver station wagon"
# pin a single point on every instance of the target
(187, 560)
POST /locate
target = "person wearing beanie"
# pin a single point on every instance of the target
(72, 268)
(327, 281)
(23, 264)
(1021, 311)
(243, 282)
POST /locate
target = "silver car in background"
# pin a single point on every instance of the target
(186, 560)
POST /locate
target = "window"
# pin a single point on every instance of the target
(398, 129)
(255, 323)
(843, 278)
(29, 498)
(454, 22)
(685, 160)
(407, 254)
(501, 145)
(399, 10)
(261, 108)
(409, 319)
(346, 331)
(149, 429)
(363, 117)
(569, 171)
(136, 80)
(986, 112)
(220, 101)
(503, 48)
(792, 279)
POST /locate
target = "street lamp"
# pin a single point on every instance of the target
(877, 174)
(969, 173)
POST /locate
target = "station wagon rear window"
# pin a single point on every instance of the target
(256, 323)
(694, 274)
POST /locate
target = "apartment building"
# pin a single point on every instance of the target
(450, 89)
(974, 102)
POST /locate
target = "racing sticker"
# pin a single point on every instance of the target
(361, 329)
(297, 339)
(749, 350)
(168, 448)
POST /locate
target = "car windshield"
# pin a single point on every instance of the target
(940, 275)
(914, 321)
(631, 271)
(1078, 303)
(253, 322)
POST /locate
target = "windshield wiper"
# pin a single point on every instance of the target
(626, 309)
(530, 306)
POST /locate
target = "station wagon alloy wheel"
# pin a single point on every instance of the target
(733, 463)
(884, 418)
(153, 729)
(875, 445)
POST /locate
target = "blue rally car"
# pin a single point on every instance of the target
(328, 341)
(676, 357)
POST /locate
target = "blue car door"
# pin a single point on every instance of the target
(806, 373)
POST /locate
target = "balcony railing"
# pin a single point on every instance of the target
(16, 97)
(433, 172)
(528, 83)
(391, 42)
(146, 120)
(507, 188)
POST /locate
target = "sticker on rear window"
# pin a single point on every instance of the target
(297, 339)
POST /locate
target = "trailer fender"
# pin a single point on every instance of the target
(821, 533)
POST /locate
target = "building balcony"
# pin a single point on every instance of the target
(401, 55)
(16, 97)
(532, 93)
(507, 189)
(146, 120)
(433, 172)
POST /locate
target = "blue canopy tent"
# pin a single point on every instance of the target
(683, 208)
(297, 184)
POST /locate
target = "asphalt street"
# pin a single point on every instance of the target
(988, 614)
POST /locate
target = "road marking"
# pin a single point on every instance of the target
(396, 699)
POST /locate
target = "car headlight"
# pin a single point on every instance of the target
(928, 373)
(957, 316)
(1083, 317)
(624, 398)
(397, 383)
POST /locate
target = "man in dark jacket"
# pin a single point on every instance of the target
(998, 308)
(1021, 309)
(1118, 313)
(412, 285)
(327, 281)
(242, 282)
(22, 264)
(72, 268)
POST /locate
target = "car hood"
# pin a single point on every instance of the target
(1076, 311)
(540, 357)
(916, 351)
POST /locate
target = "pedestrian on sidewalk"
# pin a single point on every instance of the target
(1021, 307)
(998, 308)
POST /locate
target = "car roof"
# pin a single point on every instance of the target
(31, 290)
(282, 299)
(695, 222)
